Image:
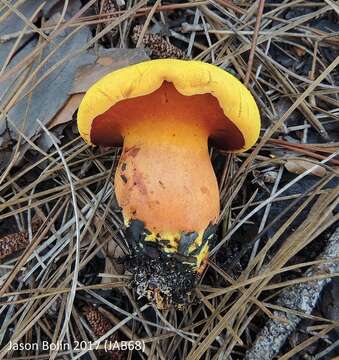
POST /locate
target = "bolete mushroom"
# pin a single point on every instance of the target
(164, 112)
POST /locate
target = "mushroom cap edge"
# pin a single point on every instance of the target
(189, 77)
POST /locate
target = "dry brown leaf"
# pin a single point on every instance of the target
(67, 111)
(113, 251)
(112, 60)
(298, 166)
(88, 74)
(299, 51)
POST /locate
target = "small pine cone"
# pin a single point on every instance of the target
(100, 326)
(159, 47)
(108, 6)
(36, 223)
(9, 244)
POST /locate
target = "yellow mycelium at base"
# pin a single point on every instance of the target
(173, 246)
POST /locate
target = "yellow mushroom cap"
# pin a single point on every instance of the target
(189, 78)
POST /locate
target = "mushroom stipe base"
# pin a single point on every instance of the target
(136, 234)
(163, 280)
(165, 276)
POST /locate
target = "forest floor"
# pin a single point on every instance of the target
(270, 289)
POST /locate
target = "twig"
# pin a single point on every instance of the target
(300, 148)
(302, 297)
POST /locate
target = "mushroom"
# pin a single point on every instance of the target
(164, 112)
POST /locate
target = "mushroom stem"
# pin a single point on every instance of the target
(165, 179)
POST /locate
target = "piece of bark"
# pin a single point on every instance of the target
(302, 297)
(330, 304)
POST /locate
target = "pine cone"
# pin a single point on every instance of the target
(100, 325)
(12, 243)
(160, 48)
(9, 244)
(108, 6)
